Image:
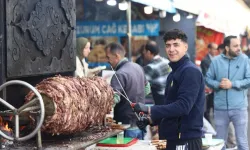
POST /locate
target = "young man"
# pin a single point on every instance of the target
(156, 71)
(129, 82)
(229, 76)
(181, 117)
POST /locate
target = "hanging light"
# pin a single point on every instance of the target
(162, 14)
(177, 17)
(123, 5)
(148, 9)
(190, 16)
(111, 2)
(98, 0)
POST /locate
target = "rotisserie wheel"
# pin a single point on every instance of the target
(73, 104)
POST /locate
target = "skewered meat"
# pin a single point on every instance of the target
(78, 103)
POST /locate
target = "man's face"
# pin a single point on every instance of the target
(234, 49)
(213, 50)
(113, 59)
(176, 49)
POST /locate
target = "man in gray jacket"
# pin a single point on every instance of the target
(229, 76)
(130, 83)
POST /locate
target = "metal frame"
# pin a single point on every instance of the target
(2, 47)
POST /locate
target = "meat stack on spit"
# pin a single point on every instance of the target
(73, 104)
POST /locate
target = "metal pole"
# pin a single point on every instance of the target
(39, 136)
(129, 33)
(16, 127)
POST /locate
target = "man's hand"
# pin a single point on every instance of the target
(225, 84)
(139, 107)
(142, 123)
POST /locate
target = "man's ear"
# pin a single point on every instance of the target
(117, 55)
(227, 48)
(186, 46)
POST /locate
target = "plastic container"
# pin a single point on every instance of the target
(208, 137)
(120, 136)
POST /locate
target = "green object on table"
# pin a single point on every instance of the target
(213, 142)
(113, 141)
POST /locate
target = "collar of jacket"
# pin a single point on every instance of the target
(224, 56)
(175, 65)
(121, 63)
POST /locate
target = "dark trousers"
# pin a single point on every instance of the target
(194, 144)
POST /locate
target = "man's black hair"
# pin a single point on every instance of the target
(152, 47)
(221, 46)
(175, 34)
(227, 41)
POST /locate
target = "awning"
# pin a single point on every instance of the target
(227, 16)
(166, 5)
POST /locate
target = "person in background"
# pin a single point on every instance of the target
(83, 50)
(139, 59)
(101, 42)
(129, 84)
(231, 140)
(247, 52)
(156, 71)
(205, 63)
(229, 77)
(181, 117)
(212, 52)
(221, 48)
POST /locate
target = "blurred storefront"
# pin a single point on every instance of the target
(216, 19)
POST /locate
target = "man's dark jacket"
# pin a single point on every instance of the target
(181, 116)
(205, 63)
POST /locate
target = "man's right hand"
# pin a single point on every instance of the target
(139, 107)
(225, 84)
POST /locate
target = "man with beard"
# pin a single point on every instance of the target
(229, 76)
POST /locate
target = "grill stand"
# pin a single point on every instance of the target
(39, 137)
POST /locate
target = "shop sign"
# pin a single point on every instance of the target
(117, 28)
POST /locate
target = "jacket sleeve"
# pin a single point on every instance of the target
(211, 78)
(190, 83)
(149, 73)
(244, 83)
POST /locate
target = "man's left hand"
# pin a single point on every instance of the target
(139, 107)
(225, 84)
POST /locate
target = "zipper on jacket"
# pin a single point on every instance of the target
(229, 79)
